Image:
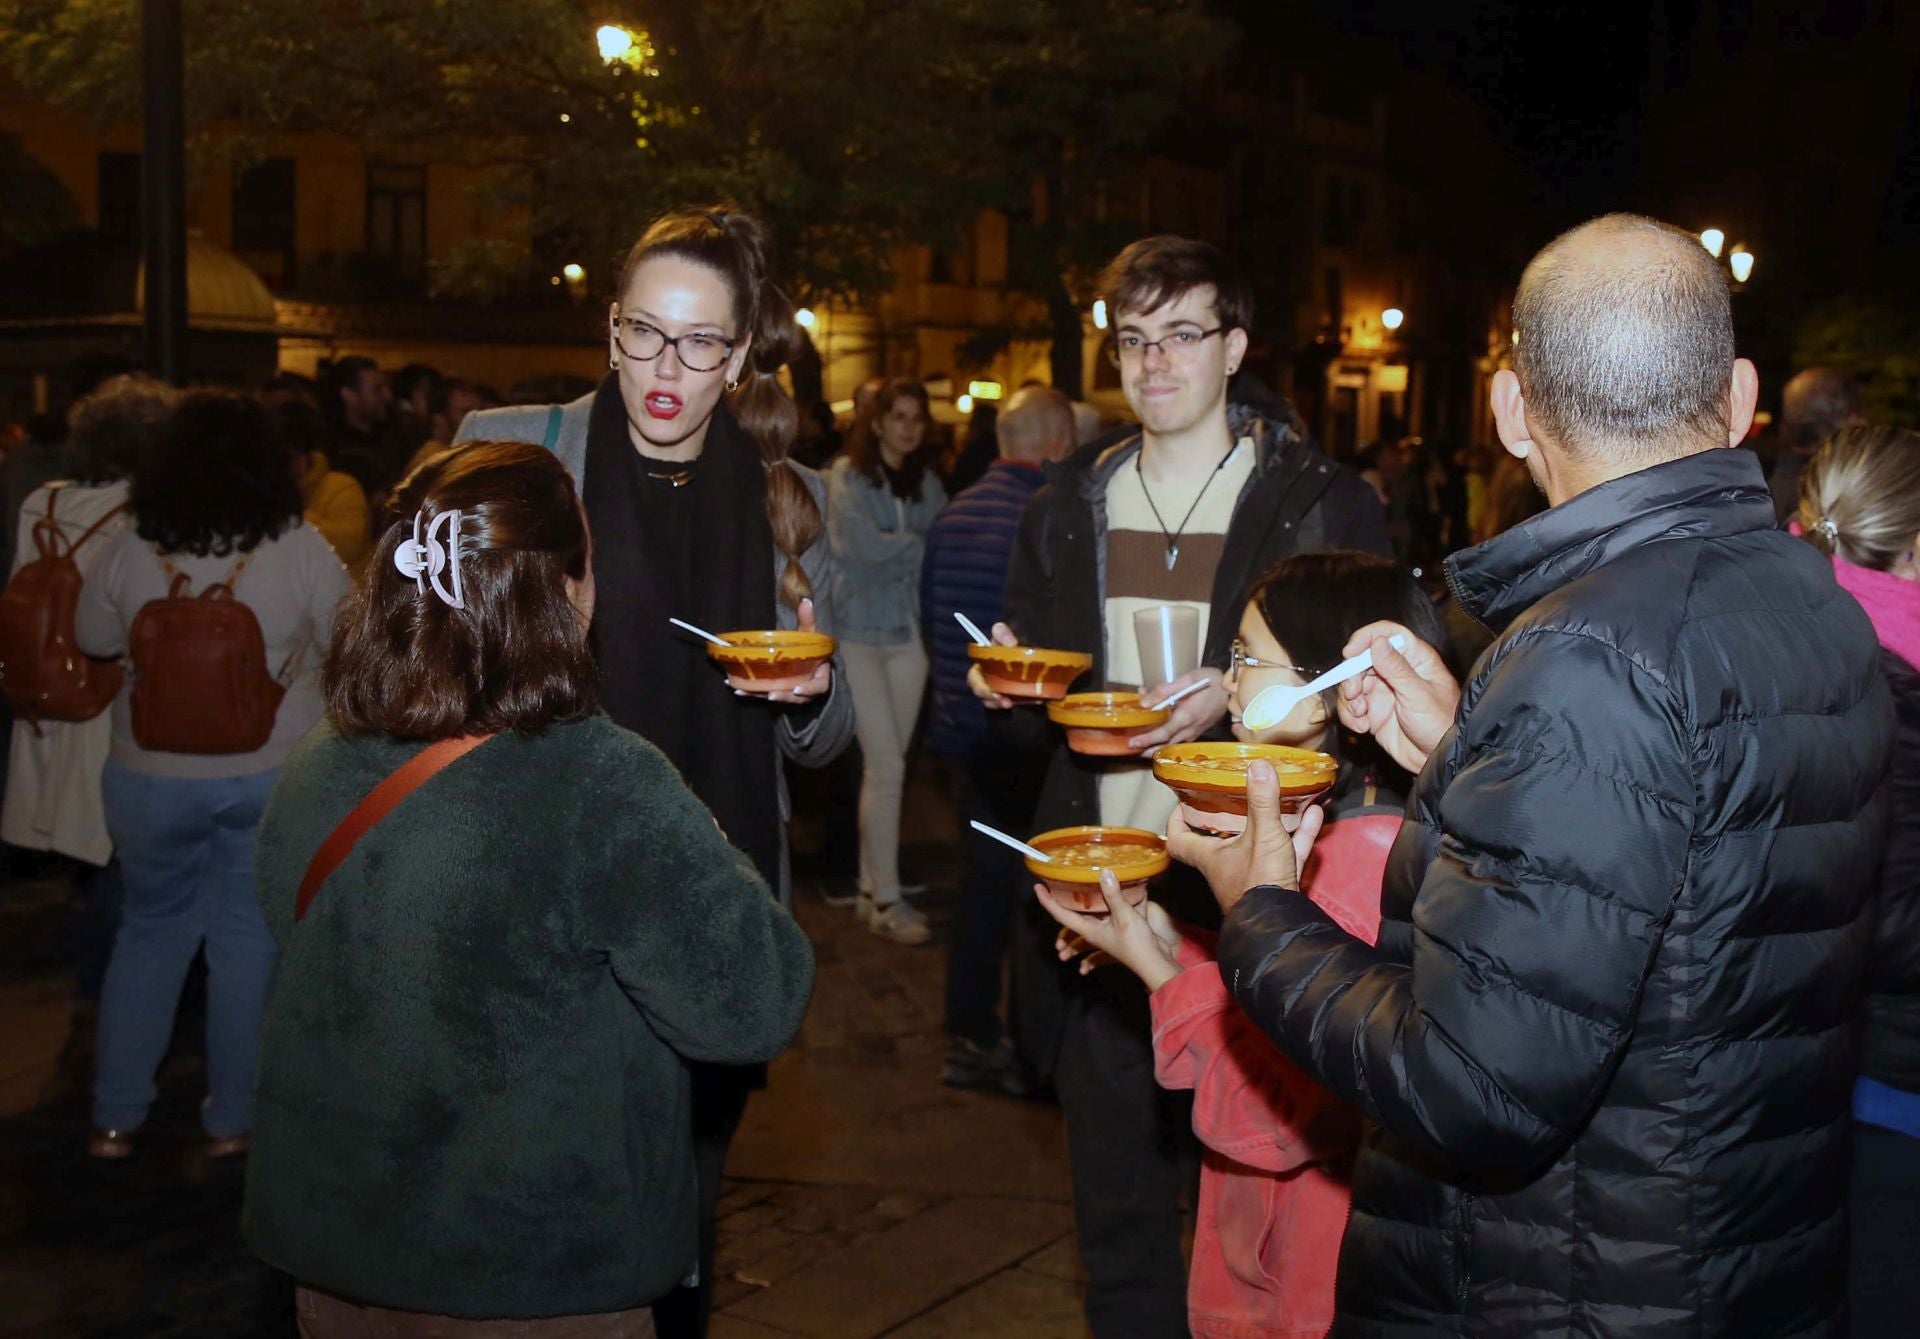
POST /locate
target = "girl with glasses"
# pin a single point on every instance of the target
(1278, 1148)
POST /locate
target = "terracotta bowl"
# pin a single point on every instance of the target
(1211, 781)
(1101, 723)
(771, 662)
(1073, 876)
(1029, 671)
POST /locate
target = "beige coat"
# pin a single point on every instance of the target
(53, 768)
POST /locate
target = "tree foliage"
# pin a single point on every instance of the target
(853, 125)
(1876, 340)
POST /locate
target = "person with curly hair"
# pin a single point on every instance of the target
(215, 501)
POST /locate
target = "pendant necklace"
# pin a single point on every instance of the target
(1173, 537)
(673, 473)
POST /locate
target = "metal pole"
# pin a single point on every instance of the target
(163, 191)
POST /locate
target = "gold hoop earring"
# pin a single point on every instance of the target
(613, 361)
(733, 385)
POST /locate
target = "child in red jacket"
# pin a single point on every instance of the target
(1274, 1191)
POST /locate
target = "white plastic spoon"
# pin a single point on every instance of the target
(1188, 691)
(699, 632)
(1014, 842)
(979, 638)
(1271, 705)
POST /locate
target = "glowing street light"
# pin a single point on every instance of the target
(1741, 263)
(1392, 317)
(615, 42)
(573, 271)
(1099, 313)
(1713, 239)
(805, 317)
(964, 404)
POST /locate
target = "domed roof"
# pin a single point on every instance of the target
(87, 277)
(222, 290)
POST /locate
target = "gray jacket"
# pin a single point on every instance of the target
(878, 541)
(813, 744)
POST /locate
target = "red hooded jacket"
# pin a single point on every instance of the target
(1274, 1185)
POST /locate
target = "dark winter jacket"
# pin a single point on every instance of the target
(1608, 1030)
(1891, 1053)
(965, 568)
(1297, 500)
(473, 1091)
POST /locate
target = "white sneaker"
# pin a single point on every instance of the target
(895, 921)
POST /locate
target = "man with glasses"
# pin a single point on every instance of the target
(1186, 513)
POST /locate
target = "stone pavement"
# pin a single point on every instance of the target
(864, 1198)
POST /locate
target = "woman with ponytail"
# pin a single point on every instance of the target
(696, 513)
(1860, 505)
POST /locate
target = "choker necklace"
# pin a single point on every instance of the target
(1173, 538)
(674, 473)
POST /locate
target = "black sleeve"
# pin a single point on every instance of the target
(1356, 518)
(1029, 607)
(1562, 846)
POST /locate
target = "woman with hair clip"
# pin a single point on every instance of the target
(881, 500)
(1860, 504)
(475, 1074)
(680, 457)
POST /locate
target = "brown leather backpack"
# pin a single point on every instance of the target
(200, 680)
(42, 673)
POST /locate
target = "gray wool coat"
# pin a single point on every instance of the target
(809, 738)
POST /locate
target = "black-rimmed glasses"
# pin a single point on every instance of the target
(1130, 346)
(697, 352)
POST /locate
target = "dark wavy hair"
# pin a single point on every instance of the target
(403, 662)
(737, 247)
(863, 446)
(219, 479)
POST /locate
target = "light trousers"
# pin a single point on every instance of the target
(886, 682)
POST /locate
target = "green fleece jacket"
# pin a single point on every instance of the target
(473, 1090)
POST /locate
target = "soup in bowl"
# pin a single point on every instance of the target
(1029, 671)
(1211, 781)
(1100, 724)
(1077, 855)
(771, 662)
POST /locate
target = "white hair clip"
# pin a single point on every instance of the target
(424, 560)
(1826, 527)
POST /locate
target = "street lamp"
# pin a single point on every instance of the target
(1392, 317)
(615, 42)
(1739, 261)
(1099, 313)
(805, 317)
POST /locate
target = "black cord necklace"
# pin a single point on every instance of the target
(1173, 537)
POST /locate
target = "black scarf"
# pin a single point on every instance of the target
(702, 552)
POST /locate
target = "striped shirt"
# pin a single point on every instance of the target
(1139, 577)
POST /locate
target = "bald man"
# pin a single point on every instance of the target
(965, 569)
(1815, 404)
(1605, 1038)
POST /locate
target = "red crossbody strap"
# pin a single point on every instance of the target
(379, 802)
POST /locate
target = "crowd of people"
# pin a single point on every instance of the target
(1586, 1000)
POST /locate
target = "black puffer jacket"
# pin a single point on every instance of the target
(1892, 1050)
(1608, 1031)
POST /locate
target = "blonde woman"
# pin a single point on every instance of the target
(1860, 504)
